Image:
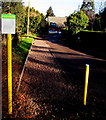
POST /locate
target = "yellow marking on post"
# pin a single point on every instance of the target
(86, 83)
(9, 74)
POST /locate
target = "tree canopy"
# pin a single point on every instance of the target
(49, 12)
(16, 8)
(37, 19)
(88, 8)
(77, 22)
(103, 19)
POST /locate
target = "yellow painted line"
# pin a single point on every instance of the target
(86, 83)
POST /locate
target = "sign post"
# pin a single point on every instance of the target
(86, 83)
(8, 22)
(9, 73)
(8, 27)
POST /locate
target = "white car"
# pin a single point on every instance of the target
(52, 31)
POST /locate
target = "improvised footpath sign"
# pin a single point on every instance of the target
(8, 23)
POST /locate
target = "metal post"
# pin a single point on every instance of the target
(86, 83)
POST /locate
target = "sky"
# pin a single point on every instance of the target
(61, 8)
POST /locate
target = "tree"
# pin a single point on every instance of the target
(103, 19)
(49, 12)
(88, 8)
(43, 25)
(37, 20)
(16, 8)
(97, 23)
(38, 24)
(77, 22)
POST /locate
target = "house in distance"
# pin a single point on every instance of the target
(59, 21)
(55, 24)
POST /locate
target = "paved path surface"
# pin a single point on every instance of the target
(53, 81)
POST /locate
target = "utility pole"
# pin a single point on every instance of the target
(28, 17)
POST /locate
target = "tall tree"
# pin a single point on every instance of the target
(103, 19)
(88, 8)
(38, 24)
(97, 26)
(49, 12)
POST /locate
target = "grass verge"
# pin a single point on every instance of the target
(22, 48)
(20, 53)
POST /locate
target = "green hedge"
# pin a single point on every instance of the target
(86, 38)
(92, 42)
(92, 39)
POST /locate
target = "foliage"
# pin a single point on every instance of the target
(37, 20)
(88, 9)
(97, 23)
(100, 21)
(77, 22)
(16, 8)
(49, 12)
(87, 5)
(23, 47)
(43, 25)
(103, 19)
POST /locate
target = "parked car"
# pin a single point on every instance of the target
(52, 31)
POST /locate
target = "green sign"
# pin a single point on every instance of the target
(8, 16)
(8, 23)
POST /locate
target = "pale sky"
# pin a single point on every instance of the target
(60, 8)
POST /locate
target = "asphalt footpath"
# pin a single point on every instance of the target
(53, 78)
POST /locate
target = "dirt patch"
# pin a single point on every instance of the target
(17, 68)
(4, 81)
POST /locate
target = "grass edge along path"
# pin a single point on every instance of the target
(20, 53)
(23, 47)
(28, 40)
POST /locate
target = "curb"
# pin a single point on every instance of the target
(24, 68)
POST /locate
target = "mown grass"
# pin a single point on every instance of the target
(29, 36)
(22, 48)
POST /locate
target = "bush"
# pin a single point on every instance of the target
(77, 22)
